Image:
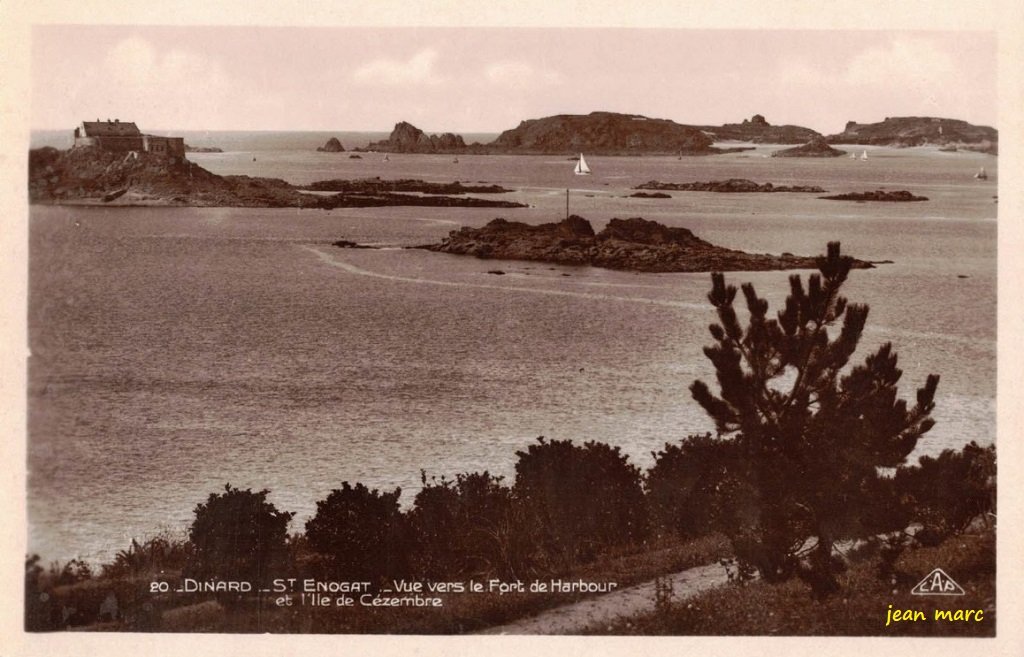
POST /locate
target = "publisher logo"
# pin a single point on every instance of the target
(937, 582)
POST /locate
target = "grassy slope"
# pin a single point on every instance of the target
(859, 609)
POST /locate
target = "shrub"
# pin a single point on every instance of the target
(157, 555)
(360, 532)
(576, 501)
(684, 484)
(946, 493)
(237, 535)
(463, 527)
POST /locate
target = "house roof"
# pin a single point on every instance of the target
(110, 129)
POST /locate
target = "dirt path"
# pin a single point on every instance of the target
(573, 618)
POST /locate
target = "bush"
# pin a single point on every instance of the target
(684, 483)
(577, 501)
(360, 532)
(237, 535)
(946, 493)
(158, 555)
(463, 527)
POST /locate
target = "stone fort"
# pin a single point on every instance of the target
(125, 136)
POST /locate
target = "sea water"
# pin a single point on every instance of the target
(178, 349)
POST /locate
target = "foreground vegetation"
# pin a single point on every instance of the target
(809, 455)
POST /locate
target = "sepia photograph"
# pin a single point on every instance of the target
(520, 330)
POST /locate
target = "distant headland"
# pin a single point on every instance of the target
(611, 133)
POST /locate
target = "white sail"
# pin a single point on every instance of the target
(386, 158)
(853, 156)
(981, 175)
(864, 155)
(581, 167)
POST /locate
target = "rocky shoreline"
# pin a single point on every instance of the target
(89, 175)
(730, 186)
(625, 244)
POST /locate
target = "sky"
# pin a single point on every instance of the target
(489, 79)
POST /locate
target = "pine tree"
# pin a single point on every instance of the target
(810, 438)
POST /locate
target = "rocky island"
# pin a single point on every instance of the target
(90, 174)
(759, 131)
(919, 131)
(332, 146)
(606, 133)
(901, 196)
(817, 147)
(627, 244)
(202, 149)
(407, 138)
(730, 186)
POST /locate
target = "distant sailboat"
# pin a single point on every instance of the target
(864, 155)
(853, 156)
(455, 161)
(981, 175)
(386, 158)
(581, 167)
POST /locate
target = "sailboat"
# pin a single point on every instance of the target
(853, 156)
(864, 155)
(581, 167)
(386, 158)
(981, 175)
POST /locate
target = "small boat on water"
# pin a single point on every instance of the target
(386, 158)
(853, 156)
(864, 155)
(581, 167)
(981, 175)
(455, 160)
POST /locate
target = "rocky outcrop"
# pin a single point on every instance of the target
(916, 131)
(92, 175)
(202, 149)
(901, 196)
(604, 133)
(407, 138)
(376, 185)
(332, 146)
(730, 186)
(627, 244)
(817, 147)
(758, 130)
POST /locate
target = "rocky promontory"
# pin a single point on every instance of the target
(917, 131)
(901, 196)
(730, 186)
(407, 138)
(92, 175)
(332, 146)
(627, 244)
(817, 147)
